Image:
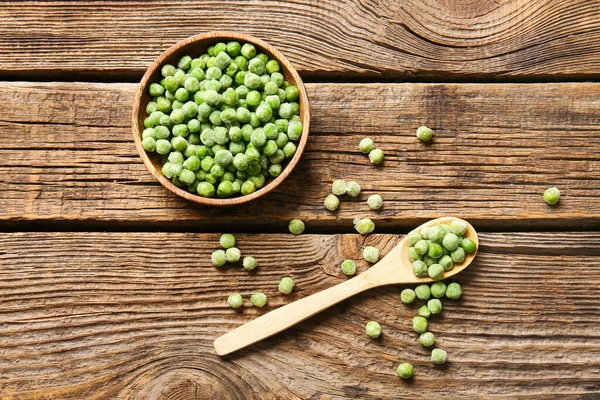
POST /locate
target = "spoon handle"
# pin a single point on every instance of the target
(289, 315)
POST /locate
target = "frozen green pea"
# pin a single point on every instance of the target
(186, 176)
(149, 144)
(294, 130)
(373, 329)
(551, 196)
(424, 312)
(423, 292)
(256, 66)
(366, 145)
(223, 158)
(424, 133)
(458, 227)
(424, 232)
(427, 339)
(168, 70)
(218, 258)
(352, 189)
(419, 324)
(272, 66)
(222, 60)
(258, 299)
(438, 289)
(235, 300)
(233, 254)
(349, 267)
(289, 149)
(405, 371)
(453, 291)
(249, 263)
(436, 234)
(233, 48)
(291, 93)
(450, 241)
(375, 202)
(371, 254)
(421, 247)
(419, 268)
(252, 81)
(413, 237)
(407, 296)
(285, 110)
(338, 187)
(468, 245)
(206, 189)
(376, 156)
(264, 113)
(156, 89)
(192, 163)
(332, 202)
(458, 255)
(170, 169)
(435, 306)
(434, 250)
(438, 356)
(176, 157)
(446, 262)
(225, 189)
(296, 226)
(364, 226)
(163, 146)
(286, 285)
(191, 84)
(435, 271)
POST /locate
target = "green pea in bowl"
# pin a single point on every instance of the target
(221, 118)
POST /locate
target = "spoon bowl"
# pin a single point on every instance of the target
(393, 269)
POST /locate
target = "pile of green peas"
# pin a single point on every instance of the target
(434, 250)
(223, 122)
(432, 295)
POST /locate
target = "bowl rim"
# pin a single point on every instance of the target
(215, 201)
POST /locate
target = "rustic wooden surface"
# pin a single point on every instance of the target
(132, 313)
(67, 158)
(120, 315)
(411, 39)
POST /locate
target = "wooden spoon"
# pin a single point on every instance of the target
(393, 269)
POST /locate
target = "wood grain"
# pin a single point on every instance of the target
(133, 315)
(412, 39)
(66, 157)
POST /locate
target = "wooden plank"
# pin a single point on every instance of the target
(434, 39)
(67, 157)
(133, 315)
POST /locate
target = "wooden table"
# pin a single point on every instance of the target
(107, 290)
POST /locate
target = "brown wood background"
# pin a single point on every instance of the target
(106, 287)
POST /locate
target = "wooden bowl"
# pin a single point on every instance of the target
(195, 46)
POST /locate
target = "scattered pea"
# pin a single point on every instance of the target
(349, 267)
(371, 254)
(407, 296)
(424, 312)
(427, 339)
(233, 255)
(364, 226)
(424, 134)
(296, 226)
(438, 289)
(375, 202)
(227, 240)
(419, 324)
(552, 196)
(218, 258)
(435, 306)
(235, 300)
(453, 291)
(423, 292)
(366, 145)
(438, 356)
(258, 299)
(286, 285)
(332, 202)
(373, 329)
(352, 189)
(249, 263)
(405, 371)
(376, 156)
(339, 187)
